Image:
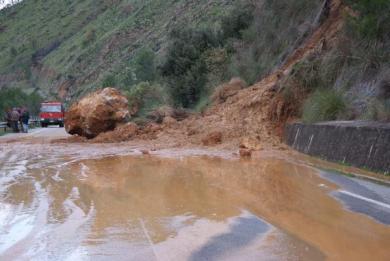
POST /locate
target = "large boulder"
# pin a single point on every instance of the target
(98, 112)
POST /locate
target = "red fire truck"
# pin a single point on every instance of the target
(52, 113)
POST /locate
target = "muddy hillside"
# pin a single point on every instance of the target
(250, 117)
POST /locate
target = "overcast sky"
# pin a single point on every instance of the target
(6, 2)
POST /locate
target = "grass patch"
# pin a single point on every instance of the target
(271, 36)
(378, 110)
(323, 105)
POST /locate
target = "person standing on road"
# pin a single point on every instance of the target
(8, 117)
(25, 117)
(20, 110)
(15, 116)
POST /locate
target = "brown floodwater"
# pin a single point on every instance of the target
(190, 208)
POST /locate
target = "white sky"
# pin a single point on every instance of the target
(4, 3)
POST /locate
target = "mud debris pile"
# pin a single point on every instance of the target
(224, 91)
(213, 138)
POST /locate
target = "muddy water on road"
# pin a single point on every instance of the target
(196, 208)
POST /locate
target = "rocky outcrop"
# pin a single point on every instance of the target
(98, 112)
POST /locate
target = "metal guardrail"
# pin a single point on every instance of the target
(33, 122)
(3, 125)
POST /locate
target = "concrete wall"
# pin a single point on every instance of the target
(359, 143)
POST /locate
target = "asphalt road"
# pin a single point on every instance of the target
(361, 196)
(87, 202)
(49, 133)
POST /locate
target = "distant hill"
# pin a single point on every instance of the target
(66, 48)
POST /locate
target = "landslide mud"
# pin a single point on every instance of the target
(258, 112)
(55, 205)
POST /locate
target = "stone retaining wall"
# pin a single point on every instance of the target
(358, 143)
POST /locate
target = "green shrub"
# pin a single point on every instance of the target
(185, 69)
(306, 74)
(146, 96)
(378, 110)
(89, 37)
(368, 31)
(216, 61)
(373, 19)
(13, 52)
(318, 71)
(145, 69)
(237, 21)
(142, 68)
(109, 81)
(323, 105)
(10, 98)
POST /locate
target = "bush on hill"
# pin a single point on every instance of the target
(10, 98)
(323, 105)
(185, 69)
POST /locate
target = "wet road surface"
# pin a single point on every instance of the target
(55, 205)
(37, 135)
(362, 196)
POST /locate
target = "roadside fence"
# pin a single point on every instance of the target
(33, 122)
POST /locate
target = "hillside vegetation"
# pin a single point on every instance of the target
(177, 52)
(65, 49)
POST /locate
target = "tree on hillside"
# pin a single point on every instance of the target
(142, 68)
(10, 98)
(184, 68)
